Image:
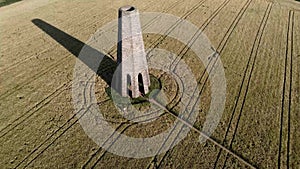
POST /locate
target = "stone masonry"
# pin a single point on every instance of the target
(131, 57)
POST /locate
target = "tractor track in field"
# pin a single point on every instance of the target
(77, 17)
(184, 16)
(202, 27)
(240, 90)
(198, 33)
(31, 115)
(253, 54)
(19, 87)
(40, 103)
(258, 65)
(290, 91)
(33, 78)
(23, 60)
(59, 62)
(287, 87)
(27, 114)
(156, 44)
(223, 42)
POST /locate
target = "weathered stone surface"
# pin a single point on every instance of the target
(134, 76)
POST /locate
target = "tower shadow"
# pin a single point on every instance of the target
(107, 66)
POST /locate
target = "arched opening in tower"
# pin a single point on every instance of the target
(141, 84)
(129, 88)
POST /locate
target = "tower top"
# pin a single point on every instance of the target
(127, 9)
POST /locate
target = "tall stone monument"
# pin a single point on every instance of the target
(134, 76)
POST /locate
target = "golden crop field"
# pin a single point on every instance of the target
(257, 41)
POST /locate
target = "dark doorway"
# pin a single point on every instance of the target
(141, 84)
(129, 87)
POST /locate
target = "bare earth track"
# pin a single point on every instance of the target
(259, 45)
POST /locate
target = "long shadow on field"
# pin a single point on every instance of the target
(105, 69)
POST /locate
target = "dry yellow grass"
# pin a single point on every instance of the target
(259, 45)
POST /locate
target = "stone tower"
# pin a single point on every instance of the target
(131, 57)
